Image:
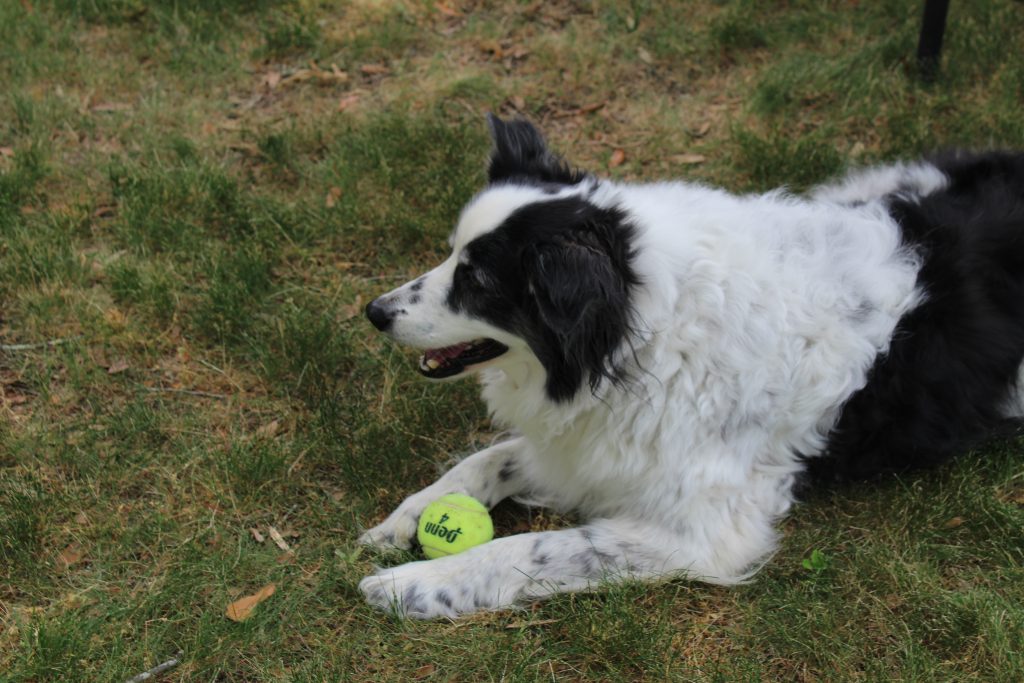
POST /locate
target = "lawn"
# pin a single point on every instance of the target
(197, 197)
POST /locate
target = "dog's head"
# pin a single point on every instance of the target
(538, 272)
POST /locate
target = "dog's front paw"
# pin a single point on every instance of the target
(397, 531)
(414, 590)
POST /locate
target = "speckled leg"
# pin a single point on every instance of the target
(532, 565)
(490, 476)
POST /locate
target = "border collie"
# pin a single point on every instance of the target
(673, 360)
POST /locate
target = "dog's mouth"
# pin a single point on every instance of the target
(455, 359)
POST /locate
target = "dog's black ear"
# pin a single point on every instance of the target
(581, 285)
(520, 154)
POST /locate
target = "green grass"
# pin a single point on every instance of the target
(197, 216)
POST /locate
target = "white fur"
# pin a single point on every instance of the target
(759, 316)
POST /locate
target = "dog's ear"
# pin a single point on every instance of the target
(520, 153)
(581, 289)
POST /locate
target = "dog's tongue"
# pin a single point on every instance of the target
(447, 353)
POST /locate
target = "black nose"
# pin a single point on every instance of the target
(379, 315)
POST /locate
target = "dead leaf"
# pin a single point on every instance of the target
(492, 47)
(446, 10)
(374, 69)
(424, 671)
(689, 159)
(701, 130)
(269, 430)
(118, 366)
(104, 211)
(69, 556)
(241, 609)
(82, 518)
(518, 102)
(353, 309)
(278, 539)
(114, 317)
(618, 156)
(271, 79)
(348, 102)
(954, 523)
(644, 56)
(333, 195)
(7, 152)
(260, 538)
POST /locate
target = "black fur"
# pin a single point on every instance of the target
(954, 359)
(559, 275)
(521, 155)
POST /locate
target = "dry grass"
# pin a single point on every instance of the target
(199, 196)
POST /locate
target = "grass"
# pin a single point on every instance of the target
(197, 198)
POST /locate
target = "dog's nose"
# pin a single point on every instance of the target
(379, 315)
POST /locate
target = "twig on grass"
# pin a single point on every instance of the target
(158, 669)
(187, 392)
(40, 345)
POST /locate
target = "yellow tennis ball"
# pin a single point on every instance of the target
(453, 523)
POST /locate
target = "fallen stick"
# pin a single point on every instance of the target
(40, 345)
(158, 669)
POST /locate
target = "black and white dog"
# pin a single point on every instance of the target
(673, 358)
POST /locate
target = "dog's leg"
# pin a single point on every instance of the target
(490, 476)
(532, 565)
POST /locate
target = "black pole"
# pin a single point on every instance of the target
(929, 46)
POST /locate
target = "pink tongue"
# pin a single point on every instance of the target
(446, 353)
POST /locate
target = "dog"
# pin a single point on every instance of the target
(674, 361)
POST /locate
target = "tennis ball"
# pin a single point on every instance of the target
(453, 523)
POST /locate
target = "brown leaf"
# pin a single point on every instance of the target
(118, 366)
(271, 79)
(268, 430)
(518, 102)
(446, 10)
(333, 195)
(953, 523)
(618, 156)
(374, 69)
(424, 671)
(352, 310)
(241, 609)
(689, 159)
(260, 538)
(69, 556)
(701, 130)
(644, 56)
(492, 47)
(348, 102)
(7, 152)
(114, 316)
(82, 518)
(104, 211)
